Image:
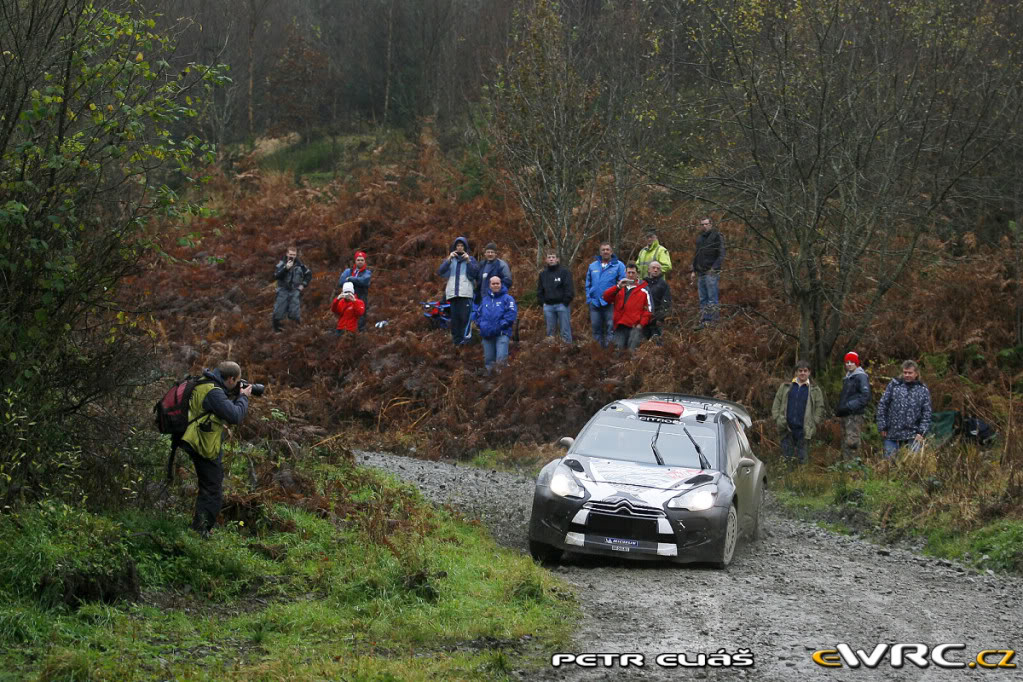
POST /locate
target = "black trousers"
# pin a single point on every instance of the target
(460, 309)
(210, 473)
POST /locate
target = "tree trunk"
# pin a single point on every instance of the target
(387, 64)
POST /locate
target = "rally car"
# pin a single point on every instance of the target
(656, 476)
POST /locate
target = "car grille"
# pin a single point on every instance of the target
(625, 508)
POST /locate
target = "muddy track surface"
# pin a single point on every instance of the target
(799, 590)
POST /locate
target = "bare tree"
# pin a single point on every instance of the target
(548, 125)
(839, 132)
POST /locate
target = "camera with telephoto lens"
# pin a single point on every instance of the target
(257, 389)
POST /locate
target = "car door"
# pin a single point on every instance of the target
(742, 476)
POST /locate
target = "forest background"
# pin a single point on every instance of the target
(861, 159)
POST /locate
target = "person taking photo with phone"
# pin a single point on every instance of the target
(292, 278)
(633, 308)
(349, 309)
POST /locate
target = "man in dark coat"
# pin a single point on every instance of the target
(554, 290)
(904, 412)
(292, 278)
(660, 292)
(707, 262)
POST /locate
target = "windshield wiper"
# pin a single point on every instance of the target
(704, 464)
(653, 446)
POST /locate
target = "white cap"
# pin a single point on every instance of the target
(348, 288)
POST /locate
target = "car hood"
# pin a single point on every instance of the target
(650, 483)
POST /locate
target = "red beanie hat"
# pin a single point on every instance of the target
(360, 253)
(851, 356)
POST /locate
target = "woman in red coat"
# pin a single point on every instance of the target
(348, 309)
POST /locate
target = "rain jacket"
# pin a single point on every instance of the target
(359, 279)
(348, 312)
(649, 254)
(813, 414)
(633, 305)
(488, 269)
(497, 314)
(904, 410)
(710, 252)
(599, 277)
(855, 395)
(205, 434)
(461, 274)
(660, 294)
(299, 274)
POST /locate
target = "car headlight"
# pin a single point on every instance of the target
(698, 499)
(564, 483)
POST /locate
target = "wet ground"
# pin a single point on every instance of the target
(802, 589)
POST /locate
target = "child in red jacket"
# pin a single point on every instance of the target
(348, 309)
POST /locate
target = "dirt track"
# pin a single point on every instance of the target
(800, 590)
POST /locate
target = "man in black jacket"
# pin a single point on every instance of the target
(292, 278)
(707, 261)
(555, 291)
(661, 294)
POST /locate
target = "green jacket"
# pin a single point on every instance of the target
(814, 408)
(654, 252)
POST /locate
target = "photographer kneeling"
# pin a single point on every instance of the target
(212, 407)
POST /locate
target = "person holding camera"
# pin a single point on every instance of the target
(633, 308)
(292, 278)
(214, 404)
(358, 275)
(349, 309)
(460, 269)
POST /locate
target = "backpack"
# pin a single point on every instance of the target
(171, 411)
(976, 430)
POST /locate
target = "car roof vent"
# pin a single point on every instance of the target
(661, 409)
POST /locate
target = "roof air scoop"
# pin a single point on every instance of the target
(661, 409)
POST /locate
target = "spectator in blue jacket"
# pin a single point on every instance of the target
(491, 265)
(604, 272)
(497, 323)
(359, 275)
(460, 270)
(904, 413)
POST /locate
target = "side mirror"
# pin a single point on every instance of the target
(746, 462)
(566, 442)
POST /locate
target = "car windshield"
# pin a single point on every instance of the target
(629, 440)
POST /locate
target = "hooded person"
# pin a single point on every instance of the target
(459, 270)
(491, 265)
(852, 403)
(496, 322)
(349, 309)
(358, 275)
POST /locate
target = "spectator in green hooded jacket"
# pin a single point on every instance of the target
(798, 408)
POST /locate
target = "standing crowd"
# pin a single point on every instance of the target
(903, 413)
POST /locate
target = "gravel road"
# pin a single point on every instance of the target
(800, 590)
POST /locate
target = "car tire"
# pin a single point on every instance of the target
(758, 522)
(729, 539)
(543, 552)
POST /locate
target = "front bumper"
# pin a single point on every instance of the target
(635, 533)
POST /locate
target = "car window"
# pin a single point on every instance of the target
(732, 450)
(629, 440)
(743, 441)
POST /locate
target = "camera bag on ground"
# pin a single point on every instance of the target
(172, 414)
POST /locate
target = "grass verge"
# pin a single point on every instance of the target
(949, 501)
(357, 579)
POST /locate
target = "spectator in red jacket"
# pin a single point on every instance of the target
(633, 308)
(348, 308)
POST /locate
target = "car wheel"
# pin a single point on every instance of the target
(543, 552)
(728, 542)
(758, 521)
